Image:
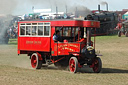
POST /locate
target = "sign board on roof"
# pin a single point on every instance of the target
(41, 10)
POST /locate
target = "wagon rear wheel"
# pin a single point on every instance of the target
(97, 65)
(73, 64)
(35, 62)
(119, 34)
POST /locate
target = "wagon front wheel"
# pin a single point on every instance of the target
(97, 65)
(35, 62)
(73, 64)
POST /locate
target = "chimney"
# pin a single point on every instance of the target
(66, 9)
(56, 10)
(99, 8)
(76, 14)
(107, 6)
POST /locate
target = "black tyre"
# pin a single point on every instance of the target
(35, 62)
(97, 65)
(73, 65)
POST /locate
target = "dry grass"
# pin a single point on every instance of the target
(16, 70)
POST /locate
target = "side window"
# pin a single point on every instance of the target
(34, 30)
(74, 31)
(28, 30)
(46, 30)
(40, 30)
(22, 30)
(67, 31)
(59, 28)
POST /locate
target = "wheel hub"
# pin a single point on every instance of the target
(72, 65)
(35, 61)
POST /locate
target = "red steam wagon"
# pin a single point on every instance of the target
(74, 50)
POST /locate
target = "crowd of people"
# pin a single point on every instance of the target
(12, 32)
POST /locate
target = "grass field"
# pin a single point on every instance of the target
(16, 70)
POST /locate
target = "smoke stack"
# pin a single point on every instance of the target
(66, 9)
(56, 10)
(99, 8)
(107, 6)
(76, 14)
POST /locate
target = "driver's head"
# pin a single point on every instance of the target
(57, 32)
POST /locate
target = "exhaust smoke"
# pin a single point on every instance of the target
(105, 3)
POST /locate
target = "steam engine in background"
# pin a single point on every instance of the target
(108, 21)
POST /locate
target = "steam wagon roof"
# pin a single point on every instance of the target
(66, 22)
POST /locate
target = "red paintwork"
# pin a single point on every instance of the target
(80, 66)
(66, 48)
(34, 61)
(39, 56)
(119, 25)
(46, 44)
(72, 66)
(34, 43)
(77, 23)
(57, 60)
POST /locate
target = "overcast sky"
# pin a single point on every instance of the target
(19, 7)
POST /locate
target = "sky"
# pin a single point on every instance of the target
(19, 7)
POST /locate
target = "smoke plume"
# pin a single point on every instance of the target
(80, 10)
(72, 5)
(5, 23)
(7, 6)
(104, 3)
(20, 6)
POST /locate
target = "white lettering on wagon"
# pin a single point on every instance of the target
(69, 47)
(33, 42)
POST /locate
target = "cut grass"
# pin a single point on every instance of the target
(16, 69)
(12, 42)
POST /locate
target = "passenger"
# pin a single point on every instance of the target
(57, 36)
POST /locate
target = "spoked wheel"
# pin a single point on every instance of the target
(97, 65)
(35, 62)
(73, 64)
(119, 34)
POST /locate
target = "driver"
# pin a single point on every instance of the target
(57, 36)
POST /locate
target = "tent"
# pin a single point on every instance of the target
(125, 16)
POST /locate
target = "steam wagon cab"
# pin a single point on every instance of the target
(75, 48)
